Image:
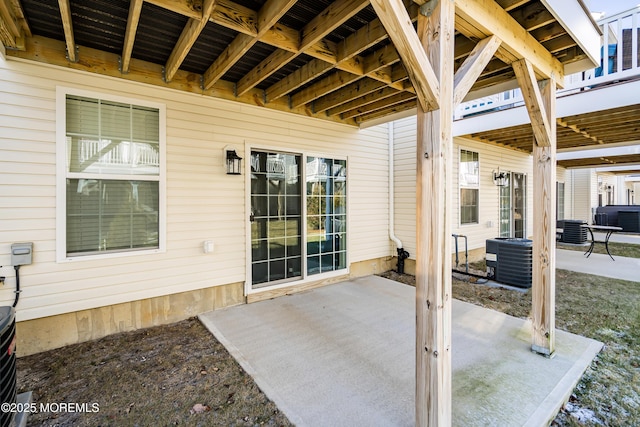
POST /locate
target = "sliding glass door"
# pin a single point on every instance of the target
(287, 242)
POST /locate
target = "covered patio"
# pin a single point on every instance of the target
(354, 62)
(343, 355)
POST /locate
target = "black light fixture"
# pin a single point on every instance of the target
(500, 178)
(234, 163)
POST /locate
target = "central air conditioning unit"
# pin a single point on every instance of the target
(510, 261)
(573, 232)
(7, 363)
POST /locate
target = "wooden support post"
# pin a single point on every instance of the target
(541, 106)
(433, 228)
(544, 234)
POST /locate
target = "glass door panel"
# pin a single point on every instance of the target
(276, 218)
(519, 204)
(326, 182)
(505, 207)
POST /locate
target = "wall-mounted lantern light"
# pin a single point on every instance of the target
(500, 178)
(233, 162)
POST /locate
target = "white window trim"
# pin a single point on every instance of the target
(460, 187)
(306, 278)
(61, 175)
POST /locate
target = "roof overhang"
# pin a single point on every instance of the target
(321, 58)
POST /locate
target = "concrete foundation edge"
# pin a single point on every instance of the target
(48, 333)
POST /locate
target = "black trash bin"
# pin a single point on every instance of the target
(573, 232)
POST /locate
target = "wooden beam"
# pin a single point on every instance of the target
(472, 67)
(398, 98)
(268, 66)
(533, 101)
(130, 35)
(544, 232)
(268, 16)
(399, 108)
(433, 224)
(67, 24)
(329, 19)
(303, 75)
(364, 100)
(9, 20)
(323, 87)
(187, 38)
(348, 93)
(579, 131)
(487, 18)
(332, 17)
(397, 22)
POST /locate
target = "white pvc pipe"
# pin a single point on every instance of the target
(392, 234)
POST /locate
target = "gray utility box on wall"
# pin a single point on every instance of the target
(510, 261)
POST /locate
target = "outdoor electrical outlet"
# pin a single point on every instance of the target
(2, 280)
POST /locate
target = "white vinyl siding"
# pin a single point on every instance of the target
(202, 202)
(491, 157)
(584, 197)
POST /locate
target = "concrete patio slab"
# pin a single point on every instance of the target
(599, 264)
(343, 355)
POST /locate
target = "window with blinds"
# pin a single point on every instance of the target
(112, 176)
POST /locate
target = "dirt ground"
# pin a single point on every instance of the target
(169, 375)
(181, 375)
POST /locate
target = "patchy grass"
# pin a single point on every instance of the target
(168, 375)
(617, 249)
(604, 309)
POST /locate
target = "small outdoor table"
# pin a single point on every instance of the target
(606, 228)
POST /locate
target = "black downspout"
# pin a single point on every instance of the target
(402, 255)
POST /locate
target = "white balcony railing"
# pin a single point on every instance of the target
(619, 62)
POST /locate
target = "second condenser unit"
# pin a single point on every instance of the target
(510, 261)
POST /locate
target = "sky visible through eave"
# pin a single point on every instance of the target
(610, 7)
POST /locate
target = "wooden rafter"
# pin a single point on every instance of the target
(398, 24)
(187, 38)
(628, 159)
(579, 131)
(325, 86)
(67, 24)
(348, 93)
(268, 15)
(374, 65)
(328, 20)
(380, 104)
(336, 67)
(363, 100)
(135, 7)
